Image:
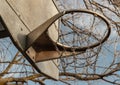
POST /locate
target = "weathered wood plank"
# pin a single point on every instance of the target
(23, 16)
(34, 12)
(15, 26)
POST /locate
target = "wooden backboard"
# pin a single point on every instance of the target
(23, 16)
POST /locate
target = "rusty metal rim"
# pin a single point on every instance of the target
(68, 48)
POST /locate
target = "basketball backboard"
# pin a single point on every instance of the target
(23, 16)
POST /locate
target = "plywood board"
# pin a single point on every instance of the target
(23, 16)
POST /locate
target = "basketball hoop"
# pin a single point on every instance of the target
(38, 44)
(32, 37)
